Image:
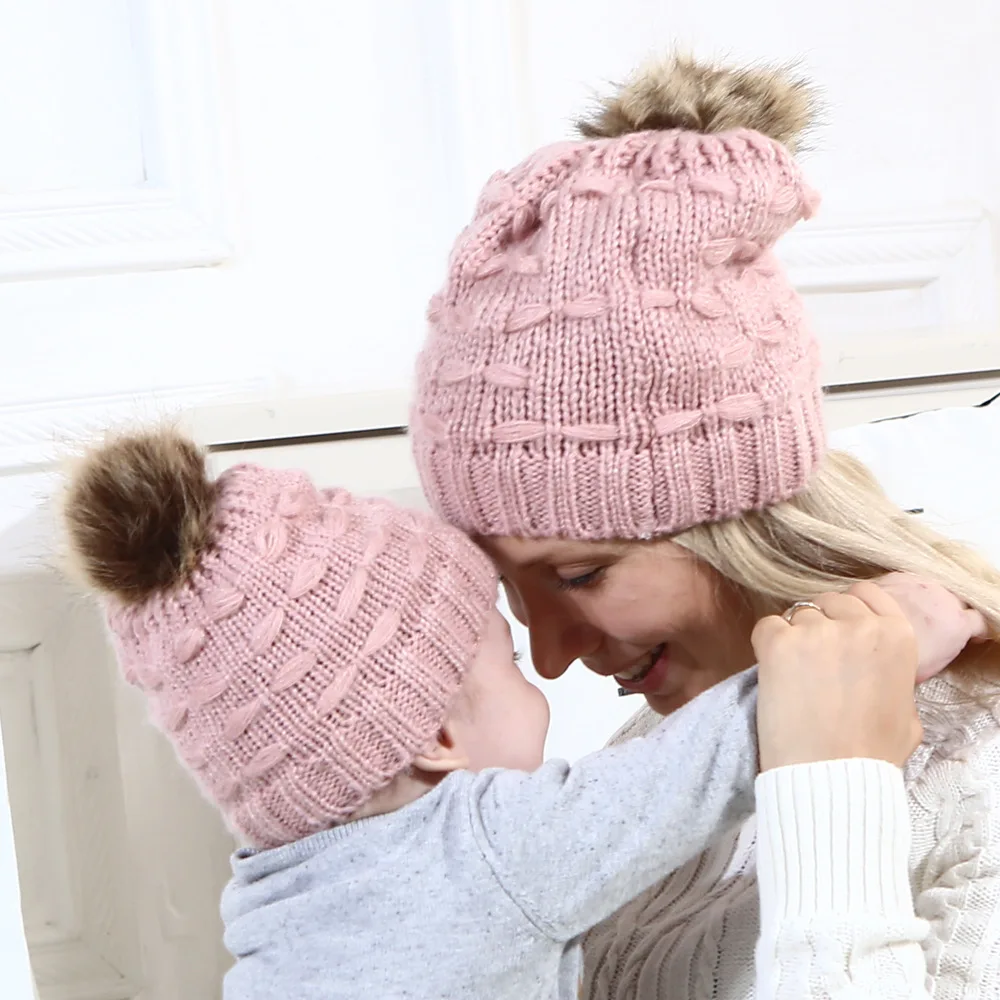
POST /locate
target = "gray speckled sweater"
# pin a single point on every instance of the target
(483, 887)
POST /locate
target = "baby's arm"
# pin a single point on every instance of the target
(573, 844)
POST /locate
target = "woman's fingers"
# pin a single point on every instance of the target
(838, 682)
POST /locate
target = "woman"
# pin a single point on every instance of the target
(620, 399)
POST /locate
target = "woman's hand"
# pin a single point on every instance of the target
(839, 682)
(943, 624)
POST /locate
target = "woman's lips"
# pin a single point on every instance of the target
(650, 681)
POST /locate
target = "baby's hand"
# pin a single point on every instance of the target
(942, 623)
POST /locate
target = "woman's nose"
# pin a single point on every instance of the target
(556, 644)
(556, 636)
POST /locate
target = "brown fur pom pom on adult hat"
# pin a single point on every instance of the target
(681, 93)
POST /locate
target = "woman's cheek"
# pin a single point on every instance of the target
(625, 622)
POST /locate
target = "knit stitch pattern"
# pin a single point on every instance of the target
(312, 655)
(616, 352)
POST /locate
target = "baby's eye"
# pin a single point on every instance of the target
(581, 581)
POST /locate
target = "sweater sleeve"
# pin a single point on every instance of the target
(836, 907)
(572, 844)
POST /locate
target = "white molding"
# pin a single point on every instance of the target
(277, 418)
(850, 409)
(371, 466)
(944, 259)
(859, 254)
(149, 230)
(176, 218)
(36, 435)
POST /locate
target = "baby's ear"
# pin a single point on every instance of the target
(443, 755)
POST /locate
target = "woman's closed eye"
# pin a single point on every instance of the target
(581, 580)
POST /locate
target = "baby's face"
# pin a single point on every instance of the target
(502, 719)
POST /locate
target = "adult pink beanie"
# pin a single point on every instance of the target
(298, 646)
(616, 352)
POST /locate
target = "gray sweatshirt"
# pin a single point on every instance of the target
(481, 889)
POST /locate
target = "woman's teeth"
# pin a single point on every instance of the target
(638, 672)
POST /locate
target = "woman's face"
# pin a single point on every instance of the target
(650, 614)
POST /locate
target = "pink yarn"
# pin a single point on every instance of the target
(314, 653)
(616, 352)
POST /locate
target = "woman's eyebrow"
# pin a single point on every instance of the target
(558, 552)
(585, 554)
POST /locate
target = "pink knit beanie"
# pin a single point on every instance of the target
(616, 352)
(298, 646)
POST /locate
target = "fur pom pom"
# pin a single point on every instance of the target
(680, 93)
(138, 514)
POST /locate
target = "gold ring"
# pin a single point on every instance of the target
(798, 606)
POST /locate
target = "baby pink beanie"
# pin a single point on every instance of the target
(298, 646)
(616, 352)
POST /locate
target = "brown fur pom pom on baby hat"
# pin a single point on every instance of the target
(139, 514)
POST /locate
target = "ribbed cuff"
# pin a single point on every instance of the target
(833, 837)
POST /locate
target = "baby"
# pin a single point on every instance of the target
(334, 673)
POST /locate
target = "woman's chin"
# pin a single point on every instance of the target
(664, 702)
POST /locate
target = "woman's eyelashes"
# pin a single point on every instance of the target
(581, 581)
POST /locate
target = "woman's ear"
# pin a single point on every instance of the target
(443, 756)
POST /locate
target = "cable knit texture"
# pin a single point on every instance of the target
(855, 883)
(616, 352)
(312, 655)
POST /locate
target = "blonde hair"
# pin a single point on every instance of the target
(842, 529)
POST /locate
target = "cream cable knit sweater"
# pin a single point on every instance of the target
(853, 880)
